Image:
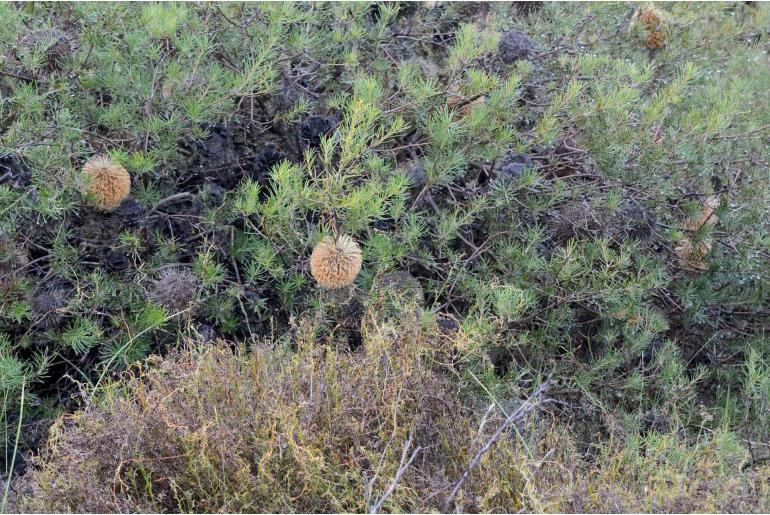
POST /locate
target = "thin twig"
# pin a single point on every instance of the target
(231, 22)
(742, 134)
(517, 416)
(15, 448)
(402, 467)
(17, 76)
(185, 195)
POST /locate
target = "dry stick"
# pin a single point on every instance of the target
(185, 195)
(15, 449)
(16, 76)
(403, 465)
(518, 415)
(742, 134)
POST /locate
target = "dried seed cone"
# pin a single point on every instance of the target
(335, 263)
(55, 44)
(105, 182)
(176, 290)
(48, 307)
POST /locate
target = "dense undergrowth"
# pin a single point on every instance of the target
(570, 191)
(308, 429)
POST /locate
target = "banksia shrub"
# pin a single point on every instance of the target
(105, 183)
(706, 215)
(335, 262)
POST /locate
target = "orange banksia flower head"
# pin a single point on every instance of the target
(105, 183)
(335, 262)
(706, 216)
(654, 27)
(696, 254)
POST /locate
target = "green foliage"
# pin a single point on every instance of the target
(596, 211)
(312, 430)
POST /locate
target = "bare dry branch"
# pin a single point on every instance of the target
(403, 466)
(526, 407)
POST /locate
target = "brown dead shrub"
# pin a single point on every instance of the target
(272, 429)
(211, 430)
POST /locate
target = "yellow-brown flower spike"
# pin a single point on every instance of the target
(105, 183)
(695, 254)
(706, 216)
(335, 263)
(654, 26)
